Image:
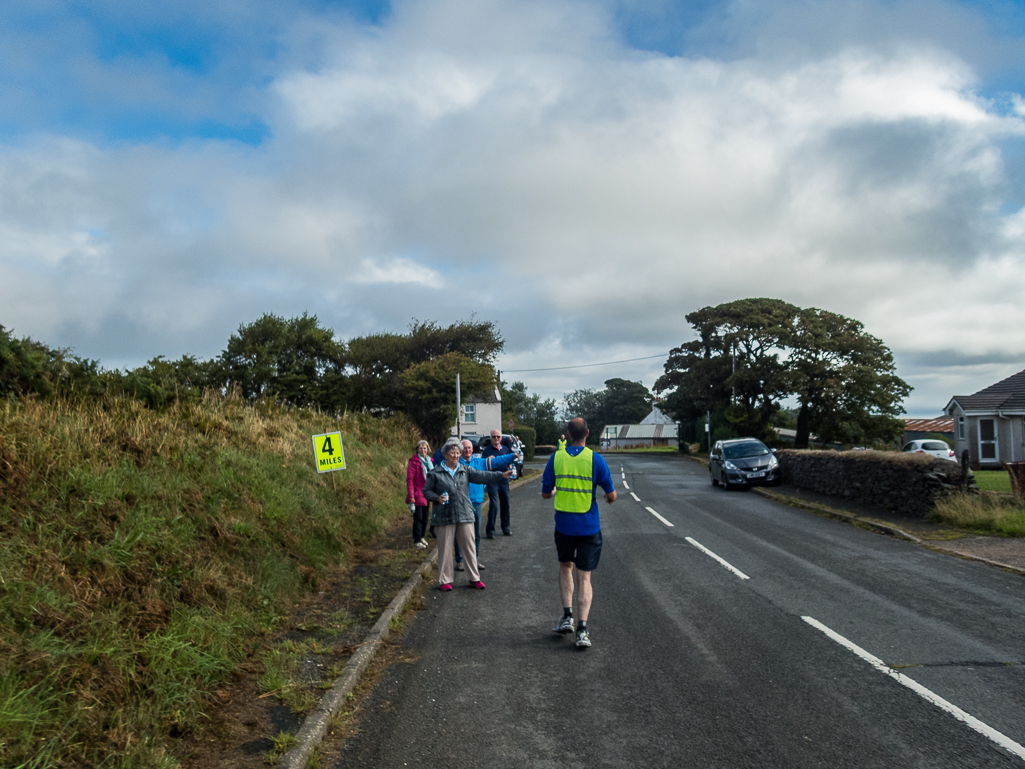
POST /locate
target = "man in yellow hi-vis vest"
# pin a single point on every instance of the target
(562, 442)
(571, 476)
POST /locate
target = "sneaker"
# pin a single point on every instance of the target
(446, 588)
(478, 584)
(424, 542)
(480, 566)
(565, 625)
(421, 545)
(583, 639)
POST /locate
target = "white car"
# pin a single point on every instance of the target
(933, 448)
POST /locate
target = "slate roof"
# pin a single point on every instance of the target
(1008, 394)
(656, 417)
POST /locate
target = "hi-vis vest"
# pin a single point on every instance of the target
(562, 444)
(574, 481)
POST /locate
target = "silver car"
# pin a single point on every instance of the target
(743, 462)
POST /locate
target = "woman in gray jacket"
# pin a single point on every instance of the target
(448, 486)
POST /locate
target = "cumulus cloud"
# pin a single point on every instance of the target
(521, 161)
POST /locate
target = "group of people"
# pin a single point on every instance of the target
(454, 486)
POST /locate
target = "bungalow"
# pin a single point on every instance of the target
(481, 414)
(656, 429)
(990, 425)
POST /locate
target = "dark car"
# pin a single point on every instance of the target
(743, 462)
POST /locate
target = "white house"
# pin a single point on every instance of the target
(656, 429)
(991, 423)
(481, 414)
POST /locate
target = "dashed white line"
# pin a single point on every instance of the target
(625, 486)
(709, 553)
(1000, 739)
(667, 523)
(636, 498)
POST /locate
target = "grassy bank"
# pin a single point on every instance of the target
(142, 554)
(982, 513)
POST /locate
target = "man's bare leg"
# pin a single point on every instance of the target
(566, 583)
(583, 594)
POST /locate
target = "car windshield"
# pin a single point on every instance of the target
(935, 446)
(745, 449)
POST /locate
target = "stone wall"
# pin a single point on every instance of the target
(904, 483)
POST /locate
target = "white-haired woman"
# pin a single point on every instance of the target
(448, 486)
(416, 475)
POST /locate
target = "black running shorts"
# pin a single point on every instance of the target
(584, 552)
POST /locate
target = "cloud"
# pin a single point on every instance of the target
(520, 161)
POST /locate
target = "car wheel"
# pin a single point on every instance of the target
(726, 482)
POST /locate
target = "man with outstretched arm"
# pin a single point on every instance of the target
(571, 477)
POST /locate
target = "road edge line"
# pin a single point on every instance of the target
(312, 732)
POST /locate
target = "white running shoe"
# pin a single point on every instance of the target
(565, 625)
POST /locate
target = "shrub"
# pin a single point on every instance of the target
(528, 436)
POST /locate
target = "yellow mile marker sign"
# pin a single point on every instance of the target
(327, 450)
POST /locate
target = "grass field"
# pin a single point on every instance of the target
(993, 480)
(144, 554)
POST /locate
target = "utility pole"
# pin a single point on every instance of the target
(459, 410)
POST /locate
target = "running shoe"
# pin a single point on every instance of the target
(446, 588)
(583, 639)
(421, 545)
(565, 625)
(478, 584)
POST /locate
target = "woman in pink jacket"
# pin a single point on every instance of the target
(416, 474)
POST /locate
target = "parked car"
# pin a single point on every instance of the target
(933, 448)
(743, 462)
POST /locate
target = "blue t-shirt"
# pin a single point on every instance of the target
(579, 524)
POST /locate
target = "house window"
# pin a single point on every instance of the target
(987, 440)
(960, 428)
(469, 412)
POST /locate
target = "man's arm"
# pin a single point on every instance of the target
(603, 478)
(548, 479)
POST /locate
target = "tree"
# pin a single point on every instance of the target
(844, 381)
(375, 363)
(589, 404)
(284, 359)
(429, 391)
(625, 402)
(752, 353)
(531, 411)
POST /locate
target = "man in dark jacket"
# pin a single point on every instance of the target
(498, 493)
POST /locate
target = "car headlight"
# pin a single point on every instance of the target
(773, 463)
(729, 465)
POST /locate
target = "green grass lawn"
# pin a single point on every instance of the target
(993, 480)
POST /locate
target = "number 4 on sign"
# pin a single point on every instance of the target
(328, 452)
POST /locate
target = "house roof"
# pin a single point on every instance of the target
(625, 432)
(1007, 394)
(935, 425)
(656, 417)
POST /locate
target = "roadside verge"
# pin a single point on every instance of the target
(312, 732)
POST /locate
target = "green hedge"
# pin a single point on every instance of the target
(528, 436)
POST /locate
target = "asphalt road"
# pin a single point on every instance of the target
(811, 643)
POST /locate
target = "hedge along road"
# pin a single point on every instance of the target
(744, 634)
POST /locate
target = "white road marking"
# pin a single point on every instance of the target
(708, 552)
(1000, 739)
(624, 476)
(625, 486)
(657, 515)
(636, 498)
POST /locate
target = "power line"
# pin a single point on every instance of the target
(582, 365)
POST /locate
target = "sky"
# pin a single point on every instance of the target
(584, 174)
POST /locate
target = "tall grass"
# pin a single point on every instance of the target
(982, 513)
(143, 553)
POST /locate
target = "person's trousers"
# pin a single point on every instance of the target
(498, 502)
(421, 521)
(476, 532)
(447, 535)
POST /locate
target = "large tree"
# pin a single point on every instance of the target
(753, 353)
(429, 391)
(532, 411)
(284, 359)
(734, 366)
(625, 402)
(844, 381)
